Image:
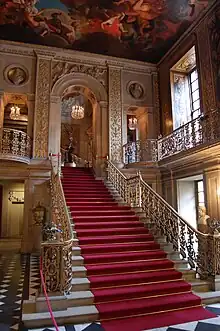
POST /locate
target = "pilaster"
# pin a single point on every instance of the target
(42, 105)
(115, 114)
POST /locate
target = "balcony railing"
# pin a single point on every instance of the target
(15, 146)
(204, 130)
(140, 151)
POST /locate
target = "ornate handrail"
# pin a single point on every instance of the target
(15, 145)
(202, 251)
(57, 251)
(204, 129)
(140, 150)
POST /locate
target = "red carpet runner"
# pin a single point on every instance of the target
(134, 284)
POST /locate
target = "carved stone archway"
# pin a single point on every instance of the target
(96, 93)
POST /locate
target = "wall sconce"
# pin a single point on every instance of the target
(218, 192)
(39, 213)
(132, 123)
(15, 113)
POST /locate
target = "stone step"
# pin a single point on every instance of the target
(200, 286)
(77, 260)
(188, 274)
(76, 250)
(73, 315)
(209, 297)
(80, 284)
(79, 271)
(74, 299)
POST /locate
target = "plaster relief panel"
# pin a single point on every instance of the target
(137, 89)
(17, 74)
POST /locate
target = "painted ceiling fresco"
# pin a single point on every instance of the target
(135, 29)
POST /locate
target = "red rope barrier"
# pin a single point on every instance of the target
(46, 296)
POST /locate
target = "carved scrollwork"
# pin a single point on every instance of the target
(60, 69)
(115, 114)
(42, 105)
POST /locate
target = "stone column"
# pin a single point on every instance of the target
(42, 105)
(54, 125)
(27, 240)
(115, 115)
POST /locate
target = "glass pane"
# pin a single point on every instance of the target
(200, 186)
(196, 105)
(194, 75)
(195, 85)
(195, 95)
(201, 204)
(195, 114)
(201, 197)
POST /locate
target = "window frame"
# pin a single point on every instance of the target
(190, 82)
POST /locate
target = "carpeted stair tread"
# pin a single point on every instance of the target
(111, 268)
(99, 208)
(115, 239)
(110, 231)
(128, 256)
(146, 306)
(104, 219)
(115, 247)
(128, 272)
(109, 212)
(134, 278)
(158, 320)
(140, 291)
(117, 225)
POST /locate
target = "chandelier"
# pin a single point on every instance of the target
(132, 123)
(15, 112)
(74, 106)
(77, 112)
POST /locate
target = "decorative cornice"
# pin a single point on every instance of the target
(78, 57)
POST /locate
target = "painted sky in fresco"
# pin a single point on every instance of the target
(135, 29)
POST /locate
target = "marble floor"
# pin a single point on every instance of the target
(20, 280)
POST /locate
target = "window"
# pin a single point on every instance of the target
(194, 93)
(200, 195)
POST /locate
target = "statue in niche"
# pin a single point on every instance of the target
(69, 151)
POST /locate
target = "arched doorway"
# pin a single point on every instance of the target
(76, 126)
(95, 96)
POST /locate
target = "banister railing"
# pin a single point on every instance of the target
(202, 251)
(57, 248)
(15, 145)
(203, 130)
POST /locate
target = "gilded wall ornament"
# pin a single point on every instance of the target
(60, 69)
(115, 114)
(42, 106)
(16, 75)
(136, 90)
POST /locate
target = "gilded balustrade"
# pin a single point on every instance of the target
(16, 145)
(204, 130)
(139, 150)
(202, 251)
(57, 251)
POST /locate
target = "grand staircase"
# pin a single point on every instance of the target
(135, 285)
